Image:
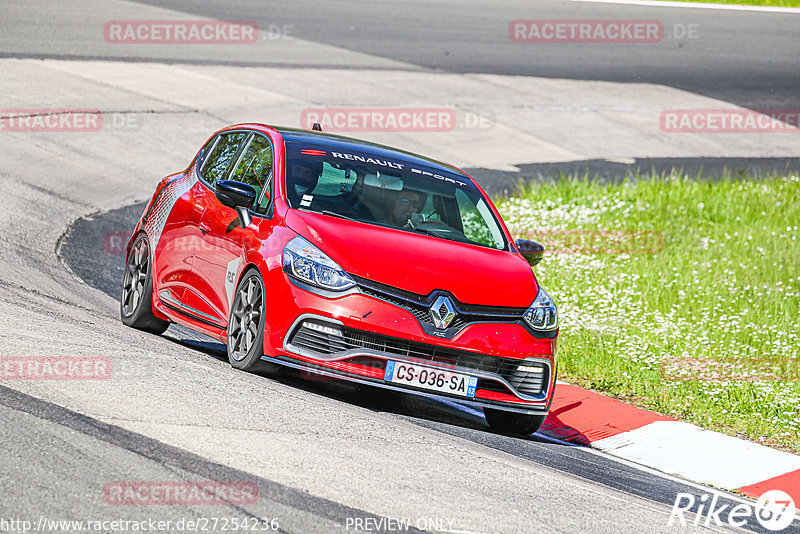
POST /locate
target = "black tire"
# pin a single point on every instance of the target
(246, 326)
(379, 398)
(513, 423)
(136, 297)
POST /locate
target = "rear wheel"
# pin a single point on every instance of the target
(246, 325)
(136, 299)
(513, 423)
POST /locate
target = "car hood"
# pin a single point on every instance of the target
(420, 263)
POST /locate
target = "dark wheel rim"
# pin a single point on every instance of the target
(245, 319)
(135, 279)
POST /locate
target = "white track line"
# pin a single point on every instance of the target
(629, 463)
(697, 5)
(699, 487)
(697, 454)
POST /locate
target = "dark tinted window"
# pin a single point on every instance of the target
(394, 193)
(216, 166)
(255, 168)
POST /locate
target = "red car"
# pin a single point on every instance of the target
(349, 259)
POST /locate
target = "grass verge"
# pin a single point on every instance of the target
(770, 3)
(697, 315)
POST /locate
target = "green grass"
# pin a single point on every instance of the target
(705, 328)
(774, 3)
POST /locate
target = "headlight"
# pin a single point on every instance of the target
(542, 315)
(306, 262)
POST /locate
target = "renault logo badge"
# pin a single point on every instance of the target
(442, 312)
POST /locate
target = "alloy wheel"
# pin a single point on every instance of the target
(245, 319)
(136, 271)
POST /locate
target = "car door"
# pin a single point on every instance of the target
(221, 254)
(173, 247)
(176, 237)
(215, 163)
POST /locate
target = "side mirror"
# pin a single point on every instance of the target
(531, 250)
(236, 195)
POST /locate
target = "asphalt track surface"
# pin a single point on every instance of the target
(49, 433)
(103, 271)
(748, 59)
(175, 410)
(702, 52)
(470, 36)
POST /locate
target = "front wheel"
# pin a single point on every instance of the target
(136, 299)
(513, 423)
(246, 325)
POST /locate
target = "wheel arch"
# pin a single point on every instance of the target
(134, 236)
(249, 266)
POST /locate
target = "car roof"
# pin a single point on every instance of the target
(348, 143)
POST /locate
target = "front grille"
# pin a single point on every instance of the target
(325, 339)
(419, 305)
(420, 311)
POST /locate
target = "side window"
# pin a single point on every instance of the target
(432, 209)
(473, 221)
(255, 168)
(203, 155)
(216, 166)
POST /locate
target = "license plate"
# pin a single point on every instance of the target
(431, 379)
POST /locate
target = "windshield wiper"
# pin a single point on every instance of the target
(449, 235)
(334, 214)
(431, 233)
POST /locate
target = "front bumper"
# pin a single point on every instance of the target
(369, 331)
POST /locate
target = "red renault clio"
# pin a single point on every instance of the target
(349, 259)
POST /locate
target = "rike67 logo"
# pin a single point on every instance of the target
(774, 511)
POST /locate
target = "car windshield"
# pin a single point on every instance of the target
(388, 192)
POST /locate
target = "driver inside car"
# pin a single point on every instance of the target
(405, 209)
(304, 177)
